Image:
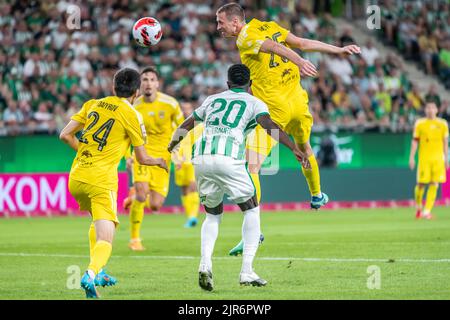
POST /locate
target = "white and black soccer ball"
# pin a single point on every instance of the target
(147, 31)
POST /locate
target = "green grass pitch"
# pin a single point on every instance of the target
(306, 255)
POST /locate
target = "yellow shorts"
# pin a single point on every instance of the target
(157, 178)
(431, 171)
(100, 202)
(185, 176)
(292, 115)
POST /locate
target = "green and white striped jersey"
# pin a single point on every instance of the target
(227, 118)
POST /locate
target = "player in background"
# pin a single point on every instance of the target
(431, 136)
(108, 127)
(160, 114)
(184, 172)
(265, 48)
(220, 167)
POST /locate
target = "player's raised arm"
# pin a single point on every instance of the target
(143, 158)
(318, 46)
(68, 133)
(181, 132)
(266, 122)
(306, 67)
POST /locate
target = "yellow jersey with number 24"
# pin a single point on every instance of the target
(110, 125)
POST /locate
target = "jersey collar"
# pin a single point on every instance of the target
(237, 90)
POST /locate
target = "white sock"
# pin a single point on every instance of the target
(210, 231)
(91, 273)
(250, 234)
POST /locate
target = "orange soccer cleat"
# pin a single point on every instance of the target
(136, 245)
(128, 200)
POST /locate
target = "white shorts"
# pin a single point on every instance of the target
(217, 175)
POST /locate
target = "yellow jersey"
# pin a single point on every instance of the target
(185, 152)
(273, 77)
(110, 125)
(160, 118)
(431, 135)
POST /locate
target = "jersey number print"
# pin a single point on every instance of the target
(97, 135)
(224, 118)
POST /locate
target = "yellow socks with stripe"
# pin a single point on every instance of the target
(313, 176)
(92, 239)
(418, 196)
(255, 178)
(191, 203)
(136, 217)
(100, 256)
(431, 197)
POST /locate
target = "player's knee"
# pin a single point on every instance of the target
(306, 148)
(254, 167)
(155, 206)
(141, 196)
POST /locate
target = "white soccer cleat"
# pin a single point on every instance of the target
(205, 278)
(246, 279)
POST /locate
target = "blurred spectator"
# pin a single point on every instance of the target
(52, 70)
(369, 53)
(327, 157)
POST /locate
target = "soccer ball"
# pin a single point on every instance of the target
(147, 32)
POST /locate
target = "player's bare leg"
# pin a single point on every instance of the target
(137, 216)
(254, 161)
(431, 198)
(419, 191)
(318, 199)
(156, 201)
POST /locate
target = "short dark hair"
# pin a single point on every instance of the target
(150, 69)
(232, 10)
(126, 82)
(239, 74)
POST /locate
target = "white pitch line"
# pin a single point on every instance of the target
(405, 260)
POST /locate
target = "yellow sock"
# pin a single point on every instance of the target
(418, 196)
(313, 176)
(136, 217)
(255, 178)
(191, 203)
(92, 239)
(431, 197)
(100, 256)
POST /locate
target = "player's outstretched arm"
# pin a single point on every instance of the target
(306, 67)
(181, 132)
(144, 159)
(412, 154)
(314, 45)
(68, 133)
(271, 127)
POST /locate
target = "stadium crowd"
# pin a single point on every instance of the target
(51, 62)
(421, 31)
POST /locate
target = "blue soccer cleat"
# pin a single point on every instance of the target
(88, 284)
(317, 202)
(192, 222)
(239, 248)
(104, 280)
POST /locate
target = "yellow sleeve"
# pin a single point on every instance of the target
(276, 28)
(445, 129)
(416, 134)
(128, 153)
(81, 116)
(250, 40)
(135, 128)
(178, 117)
